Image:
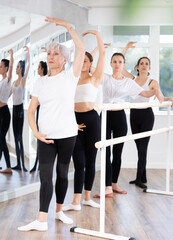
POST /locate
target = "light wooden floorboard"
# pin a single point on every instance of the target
(141, 215)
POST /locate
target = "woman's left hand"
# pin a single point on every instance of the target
(81, 126)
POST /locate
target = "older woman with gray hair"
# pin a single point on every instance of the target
(57, 124)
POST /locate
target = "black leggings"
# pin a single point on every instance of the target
(116, 124)
(18, 119)
(4, 126)
(47, 154)
(84, 155)
(141, 120)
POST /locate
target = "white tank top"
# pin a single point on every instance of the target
(86, 93)
(4, 90)
(17, 93)
(141, 99)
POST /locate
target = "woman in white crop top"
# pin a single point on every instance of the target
(84, 154)
(17, 91)
(142, 120)
(57, 124)
(5, 84)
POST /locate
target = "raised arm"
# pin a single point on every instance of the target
(125, 72)
(10, 65)
(27, 70)
(99, 70)
(79, 58)
(106, 45)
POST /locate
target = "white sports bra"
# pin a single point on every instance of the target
(85, 93)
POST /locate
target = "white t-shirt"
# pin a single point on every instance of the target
(4, 90)
(116, 91)
(56, 97)
(17, 93)
(140, 99)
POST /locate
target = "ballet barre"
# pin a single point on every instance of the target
(104, 143)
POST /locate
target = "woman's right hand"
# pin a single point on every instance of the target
(41, 137)
(57, 21)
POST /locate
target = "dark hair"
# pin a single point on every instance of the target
(118, 54)
(22, 66)
(44, 66)
(139, 63)
(6, 63)
(89, 56)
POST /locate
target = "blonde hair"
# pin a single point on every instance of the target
(63, 49)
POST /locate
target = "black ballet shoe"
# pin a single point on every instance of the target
(33, 169)
(132, 182)
(25, 170)
(141, 185)
(16, 168)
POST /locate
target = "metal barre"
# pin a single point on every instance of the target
(127, 105)
(110, 142)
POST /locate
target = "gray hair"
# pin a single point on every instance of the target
(63, 49)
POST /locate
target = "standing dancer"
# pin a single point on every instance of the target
(42, 71)
(142, 120)
(116, 88)
(57, 124)
(5, 84)
(84, 155)
(17, 90)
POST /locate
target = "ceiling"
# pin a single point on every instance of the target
(12, 19)
(121, 3)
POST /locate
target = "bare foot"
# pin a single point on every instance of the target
(7, 171)
(116, 189)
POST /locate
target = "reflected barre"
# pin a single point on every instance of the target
(127, 105)
(110, 142)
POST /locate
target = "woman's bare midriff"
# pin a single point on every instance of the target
(84, 106)
(2, 104)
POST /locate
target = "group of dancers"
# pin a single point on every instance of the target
(68, 125)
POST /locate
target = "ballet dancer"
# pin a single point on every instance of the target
(57, 124)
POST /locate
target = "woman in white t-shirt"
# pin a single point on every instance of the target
(17, 91)
(142, 120)
(116, 88)
(5, 84)
(57, 124)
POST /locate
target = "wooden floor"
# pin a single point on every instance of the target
(140, 215)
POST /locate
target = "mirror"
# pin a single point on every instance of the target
(19, 29)
(15, 34)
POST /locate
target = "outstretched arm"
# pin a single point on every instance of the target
(99, 71)
(10, 65)
(27, 70)
(79, 58)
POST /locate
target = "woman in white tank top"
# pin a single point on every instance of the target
(17, 91)
(5, 84)
(142, 120)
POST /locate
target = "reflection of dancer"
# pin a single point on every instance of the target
(42, 71)
(142, 120)
(57, 124)
(17, 90)
(116, 88)
(84, 154)
(5, 84)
